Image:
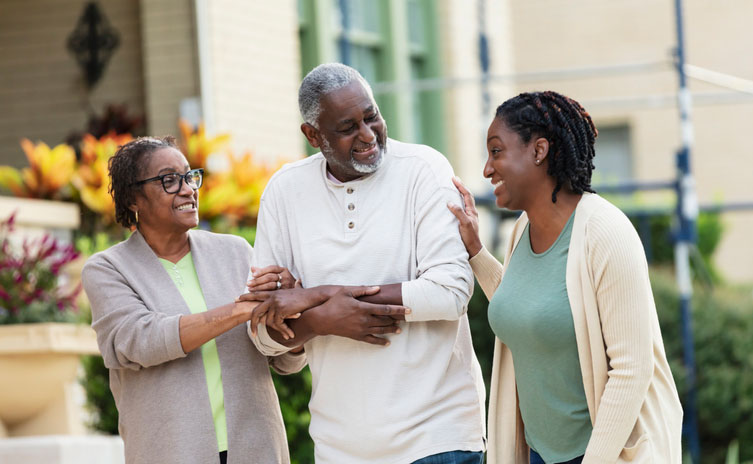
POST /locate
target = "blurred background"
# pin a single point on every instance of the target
(79, 78)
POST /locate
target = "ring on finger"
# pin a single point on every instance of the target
(278, 284)
(279, 277)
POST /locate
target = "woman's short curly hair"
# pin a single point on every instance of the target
(126, 168)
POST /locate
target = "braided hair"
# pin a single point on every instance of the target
(568, 128)
(126, 168)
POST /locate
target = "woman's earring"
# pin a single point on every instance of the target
(137, 216)
(538, 162)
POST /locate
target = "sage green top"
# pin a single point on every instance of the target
(530, 313)
(186, 280)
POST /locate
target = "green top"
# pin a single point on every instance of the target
(530, 313)
(185, 278)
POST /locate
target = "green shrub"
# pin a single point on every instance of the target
(483, 337)
(294, 392)
(709, 228)
(99, 398)
(723, 336)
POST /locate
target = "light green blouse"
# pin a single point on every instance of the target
(530, 313)
(185, 278)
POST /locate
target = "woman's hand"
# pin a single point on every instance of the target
(278, 305)
(468, 219)
(268, 277)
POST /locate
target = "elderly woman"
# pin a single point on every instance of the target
(572, 307)
(188, 383)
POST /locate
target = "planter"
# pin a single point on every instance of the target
(37, 217)
(38, 386)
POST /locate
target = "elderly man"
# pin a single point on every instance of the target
(369, 210)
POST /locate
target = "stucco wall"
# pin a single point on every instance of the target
(254, 61)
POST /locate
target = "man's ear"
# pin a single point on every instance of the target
(312, 134)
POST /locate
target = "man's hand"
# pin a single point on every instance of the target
(344, 315)
(278, 305)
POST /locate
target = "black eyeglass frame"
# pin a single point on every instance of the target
(182, 177)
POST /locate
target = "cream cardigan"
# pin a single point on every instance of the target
(631, 395)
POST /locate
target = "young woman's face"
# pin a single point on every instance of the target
(512, 166)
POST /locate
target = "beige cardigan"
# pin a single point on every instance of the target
(631, 395)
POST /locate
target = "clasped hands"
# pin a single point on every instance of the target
(330, 309)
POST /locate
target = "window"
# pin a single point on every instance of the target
(613, 160)
(358, 28)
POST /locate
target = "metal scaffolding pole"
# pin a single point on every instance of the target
(483, 57)
(687, 212)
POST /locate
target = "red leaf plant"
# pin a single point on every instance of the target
(32, 288)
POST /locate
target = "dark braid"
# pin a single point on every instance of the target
(568, 128)
(127, 166)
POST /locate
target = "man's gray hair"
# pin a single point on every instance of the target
(322, 80)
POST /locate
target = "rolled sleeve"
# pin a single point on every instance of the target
(288, 363)
(265, 343)
(431, 301)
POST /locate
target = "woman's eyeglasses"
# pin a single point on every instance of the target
(173, 182)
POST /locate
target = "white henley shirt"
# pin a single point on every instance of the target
(423, 394)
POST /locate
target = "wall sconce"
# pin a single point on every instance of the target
(93, 42)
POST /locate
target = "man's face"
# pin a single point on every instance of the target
(352, 134)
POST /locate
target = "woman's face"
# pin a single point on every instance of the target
(512, 165)
(162, 211)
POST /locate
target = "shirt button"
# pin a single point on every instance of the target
(350, 190)
(351, 207)
(351, 225)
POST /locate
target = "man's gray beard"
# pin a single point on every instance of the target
(369, 168)
(363, 168)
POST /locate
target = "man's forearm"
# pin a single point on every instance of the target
(391, 294)
(311, 323)
(388, 294)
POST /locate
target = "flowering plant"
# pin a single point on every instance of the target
(233, 184)
(30, 287)
(91, 178)
(234, 194)
(49, 172)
